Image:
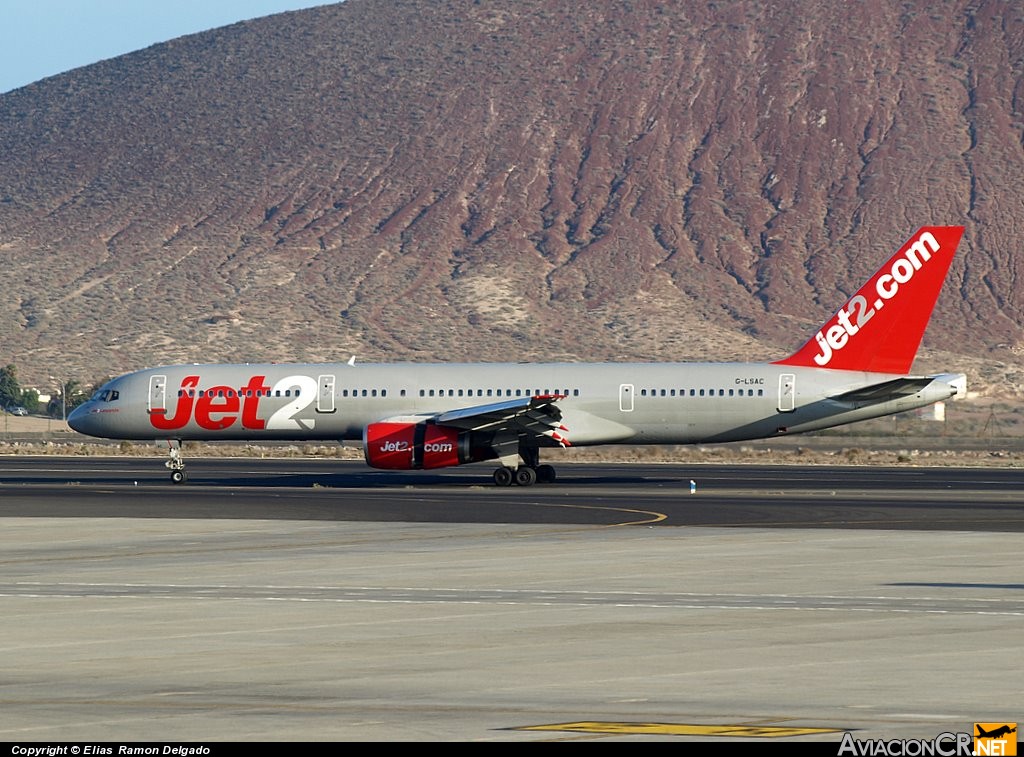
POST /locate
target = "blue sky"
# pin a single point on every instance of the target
(41, 38)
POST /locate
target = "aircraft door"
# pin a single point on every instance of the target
(157, 394)
(626, 398)
(787, 393)
(325, 395)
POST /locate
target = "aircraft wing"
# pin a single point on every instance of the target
(535, 416)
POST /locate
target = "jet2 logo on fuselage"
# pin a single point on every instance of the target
(220, 407)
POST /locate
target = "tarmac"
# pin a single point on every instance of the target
(196, 627)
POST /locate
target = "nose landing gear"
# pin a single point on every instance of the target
(175, 463)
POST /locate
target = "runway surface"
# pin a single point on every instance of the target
(316, 489)
(319, 600)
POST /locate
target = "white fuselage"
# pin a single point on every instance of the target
(604, 403)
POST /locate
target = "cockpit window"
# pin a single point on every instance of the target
(106, 395)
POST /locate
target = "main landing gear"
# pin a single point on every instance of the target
(524, 475)
(532, 472)
(175, 463)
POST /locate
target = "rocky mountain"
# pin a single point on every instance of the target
(544, 179)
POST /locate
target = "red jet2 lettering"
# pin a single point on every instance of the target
(217, 408)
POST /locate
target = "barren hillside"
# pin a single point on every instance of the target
(411, 179)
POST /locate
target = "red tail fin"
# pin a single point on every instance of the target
(881, 326)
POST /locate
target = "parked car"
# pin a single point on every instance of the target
(16, 410)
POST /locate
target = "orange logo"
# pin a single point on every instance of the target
(995, 739)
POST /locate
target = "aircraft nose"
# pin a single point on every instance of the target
(83, 420)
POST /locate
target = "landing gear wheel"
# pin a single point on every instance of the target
(503, 476)
(174, 462)
(526, 476)
(546, 474)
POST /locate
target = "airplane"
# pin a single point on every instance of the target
(427, 416)
(995, 733)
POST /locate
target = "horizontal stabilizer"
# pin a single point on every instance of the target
(887, 390)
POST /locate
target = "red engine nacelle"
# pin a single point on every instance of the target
(399, 445)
